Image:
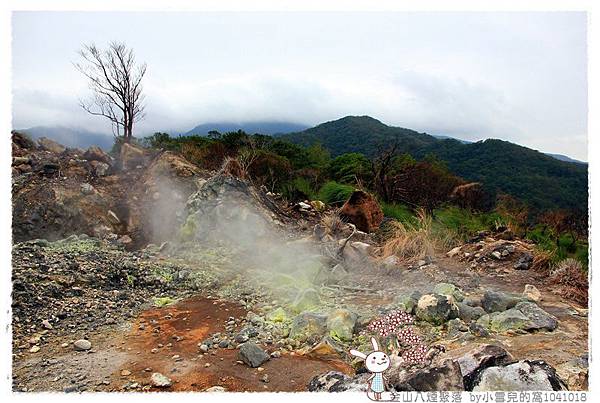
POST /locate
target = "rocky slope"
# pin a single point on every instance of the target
(245, 294)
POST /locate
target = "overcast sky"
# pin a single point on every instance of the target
(515, 76)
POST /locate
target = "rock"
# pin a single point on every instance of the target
(87, 189)
(318, 205)
(125, 372)
(407, 302)
(125, 240)
(306, 299)
(34, 349)
(493, 301)
(511, 319)
(16, 161)
(497, 255)
(95, 153)
(436, 309)
(478, 330)
(363, 210)
(334, 381)
(304, 206)
(132, 156)
(47, 324)
(574, 373)
(319, 232)
(475, 361)
(50, 145)
(523, 375)
(327, 349)
(538, 318)
(456, 327)
(473, 300)
(341, 323)
(160, 381)
(278, 315)
(308, 325)
(524, 261)
(100, 168)
(532, 293)
(449, 289)
(216, 389)
(82, 345)
(252, 355)
(454, 251)
(444, 376)
(204, 348)
(469, 313)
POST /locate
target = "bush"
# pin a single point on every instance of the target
(465, 223)
(335, 193)
(298, 189)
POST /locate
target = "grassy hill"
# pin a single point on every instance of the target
(534, 177)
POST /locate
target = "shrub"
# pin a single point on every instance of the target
(333, 222)
(335, 193)
(400, 212)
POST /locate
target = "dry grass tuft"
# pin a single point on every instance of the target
(572, 279)
(542, 260)
(333, 222)
(414, 242)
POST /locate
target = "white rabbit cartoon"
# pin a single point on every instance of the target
(376, 362)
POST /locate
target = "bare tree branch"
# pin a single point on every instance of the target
(115, 81)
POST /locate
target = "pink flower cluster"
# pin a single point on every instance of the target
(397, 323)
(390, 323)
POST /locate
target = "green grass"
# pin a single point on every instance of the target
(565, 248)
(335, 193)
(400, 212)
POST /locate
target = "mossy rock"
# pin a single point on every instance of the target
(341, 324)
(308, 326)
(449, 289)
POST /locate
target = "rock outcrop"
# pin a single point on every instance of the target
(363, 210)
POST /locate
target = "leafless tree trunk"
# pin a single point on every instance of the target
(116, 81)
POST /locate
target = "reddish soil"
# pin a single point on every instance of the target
(180, 327)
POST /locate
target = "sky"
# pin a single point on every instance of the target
(520, 77)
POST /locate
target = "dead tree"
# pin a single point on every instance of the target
(116, 82)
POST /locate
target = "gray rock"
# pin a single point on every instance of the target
(160, 381)
(436, 309)
(82, 345)
(456, 327)
(444, 376)
(524, 261)
(493, 301)
(87, 189)
(472, 301)
(520, 376)
(252, 355)
(478, 330)
(480, 358)
(538, 318)
(469, 313)
(308, 326)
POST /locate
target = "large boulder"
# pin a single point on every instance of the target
(362, 209)
(520, 376)
(444, 376)
(475, 361)
(341, 324)
(436, 309)
(511, 319)
(308, 326)
(50, 145)
(407, 302)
